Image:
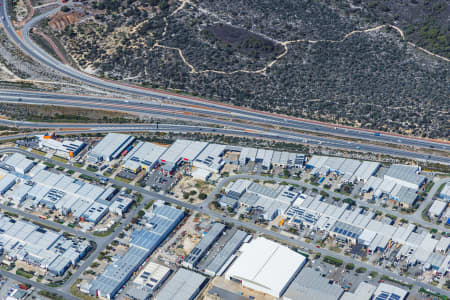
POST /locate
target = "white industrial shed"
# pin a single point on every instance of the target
(20, 163)
(266, 266)
(110, 147)
(181, 150)
(143, 156)
(437, 208)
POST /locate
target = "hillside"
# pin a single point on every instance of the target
(325, 60)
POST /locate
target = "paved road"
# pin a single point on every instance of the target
(204, 209)
(106, 241)
(412, 218)
(239, 128)
(346, 259)
(429, 198)
(51, 224)
(34, 51)
(67, 296)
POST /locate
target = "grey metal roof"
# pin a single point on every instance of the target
(197, 253)
(405, 173)
(184, 285)
(406, 195)
(309, 284)
(229, 249)
(143, 243)
(111, 145)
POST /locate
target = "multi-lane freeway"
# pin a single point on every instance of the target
(208, 107)
(172, 111)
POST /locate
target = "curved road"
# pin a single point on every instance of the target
(166, 111)
(34, 51)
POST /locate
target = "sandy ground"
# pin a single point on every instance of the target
(6, 74)
(188, 184)
(234, 288)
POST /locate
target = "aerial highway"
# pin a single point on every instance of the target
(210, 107)
(235, 114)
(230, 127)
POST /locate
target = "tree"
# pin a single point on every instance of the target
(202, 196)
(349, 266)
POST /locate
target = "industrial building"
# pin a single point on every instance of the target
(214, 233)
(110, 147)
(269, 158)
(351, 170)
(152, 276)
(405, 175)
(181, 151)
(222, 259)
(40, 247)
(201, 174)
(120, 206)
(6, 182)
(66, 148)
(400, 183)
(437, 208)
(310, 284)
(387, 292)
(162, 221)
(272, 202)
(210, 158)
(86, 201)
(184, 285)
(364, 291)
(19, 162)
(266, 266)
(445, 192)
(144, 156)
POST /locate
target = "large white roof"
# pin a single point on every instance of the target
(266, 264)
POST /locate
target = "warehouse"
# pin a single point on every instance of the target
(445, 192)
(143, 156)
(110, 147)
(366, 170)
(405, 175)
(152, 276)
(387, 291)
(201, 174)
(222, 259)
(404, 195)
(181, 150)
(7, 182)
(61, 192)
(214, 233)
(120, 206)
(95, 212)
(19, 193)
(236, 189)
(254, 195)
(184, 285)
(364, 291)
(65, 148)
(437, 208)
(210, 158)
(143, 242)
(20, 163)
(310, 284)
(40, 247)
(247, 154)
(266, 266)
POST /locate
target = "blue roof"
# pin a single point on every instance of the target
(143, 243)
